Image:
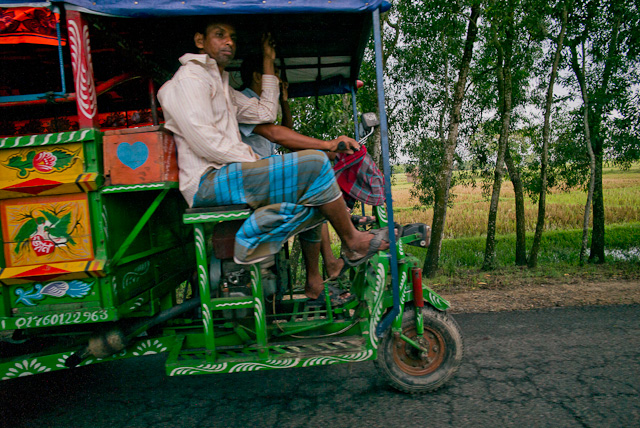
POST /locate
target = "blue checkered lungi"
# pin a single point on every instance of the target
(284, 192)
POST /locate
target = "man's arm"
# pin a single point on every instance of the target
(264, 109)
(258, 110)
(295, 141)
(187, 106)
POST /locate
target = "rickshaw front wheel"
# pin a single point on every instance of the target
(415, 371)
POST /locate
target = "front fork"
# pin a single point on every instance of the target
(418, 301)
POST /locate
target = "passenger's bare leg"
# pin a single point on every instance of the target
(353, 240)
(332, 264)
(311, 255)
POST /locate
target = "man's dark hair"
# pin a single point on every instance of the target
(248, 67)
(212, 20)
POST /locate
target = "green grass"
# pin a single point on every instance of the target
(557, 247)
(565, 209)
(558, 260)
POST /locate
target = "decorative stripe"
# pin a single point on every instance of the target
(284, 363)
(188, 218)
(376, 311)
(105, 222)
(206, 318)
(437, 301)
(87, 182)
(258, 311)
(83, 70)
(204, 368)
(133, 187)
(248, 304)
(270, 364)
(323, 361)
(46, 139)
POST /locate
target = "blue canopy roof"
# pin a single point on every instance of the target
(144, 8)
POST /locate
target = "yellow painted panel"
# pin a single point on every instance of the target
(47, 164)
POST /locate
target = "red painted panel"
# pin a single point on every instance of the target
(139, 155)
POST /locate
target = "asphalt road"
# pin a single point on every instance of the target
(568, 367)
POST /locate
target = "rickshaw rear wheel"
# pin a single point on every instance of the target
(413, 371)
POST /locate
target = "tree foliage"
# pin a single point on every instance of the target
(510, 60)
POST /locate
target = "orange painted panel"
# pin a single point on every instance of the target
(46, 229)
(139, 155)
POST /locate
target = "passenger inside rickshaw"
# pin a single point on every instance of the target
(262, 139)
(290, 194)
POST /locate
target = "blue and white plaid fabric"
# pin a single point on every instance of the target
(284, 192)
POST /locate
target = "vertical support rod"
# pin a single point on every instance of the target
(356, 132)
(205, 291)
(384, 139)
(86, 99)
(56, 12)
(259, 314)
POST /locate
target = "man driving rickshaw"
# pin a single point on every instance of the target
(289, 194)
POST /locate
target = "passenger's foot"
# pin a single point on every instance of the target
(314, 287)
(337, 296)
(334, 268)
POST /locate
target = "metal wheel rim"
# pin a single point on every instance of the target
(408, 359)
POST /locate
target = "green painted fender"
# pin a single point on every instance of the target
(438, 302)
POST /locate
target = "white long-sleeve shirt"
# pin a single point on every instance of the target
(203, 111)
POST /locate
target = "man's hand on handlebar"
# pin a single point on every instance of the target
(344, 144)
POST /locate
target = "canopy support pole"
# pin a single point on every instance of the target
(384, 140)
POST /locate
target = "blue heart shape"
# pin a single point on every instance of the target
(133, 155)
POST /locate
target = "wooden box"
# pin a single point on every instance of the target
(139, 155)
(46, 229)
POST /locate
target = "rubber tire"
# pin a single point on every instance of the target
(448, 332)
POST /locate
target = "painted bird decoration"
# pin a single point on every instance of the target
(44, 233)
(75, 289)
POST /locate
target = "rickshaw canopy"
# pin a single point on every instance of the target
(321, 44)
(141, 8)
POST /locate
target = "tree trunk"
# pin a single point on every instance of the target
(580, 76)
(443, 180)
(537, 237)
(597, 139)
(518, 189)
(597, 234)
(504, 91)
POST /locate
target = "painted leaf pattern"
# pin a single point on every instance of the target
(44, 161)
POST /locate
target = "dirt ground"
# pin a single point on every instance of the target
(548, 293)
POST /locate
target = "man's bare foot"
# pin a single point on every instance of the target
(314, 287)
(334, 267)
(336, 294)
(361, 244)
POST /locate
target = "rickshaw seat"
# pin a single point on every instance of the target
(227, 218)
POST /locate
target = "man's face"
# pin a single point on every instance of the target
(219, 43)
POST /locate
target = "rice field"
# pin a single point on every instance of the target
(564, 210)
